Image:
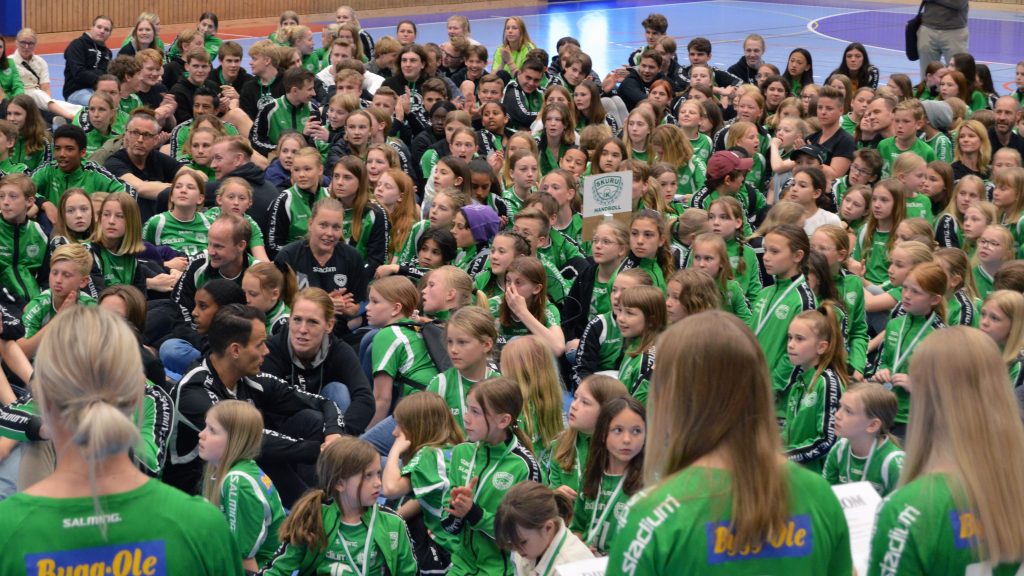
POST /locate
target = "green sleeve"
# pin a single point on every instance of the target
(245, 510)
(425, 477)
(35, 312)
(858, 331)
(831, 469)
(907, 562)
(750, 281)
(291, 558)
(146, 451)
(406, 561)
(20, 421)
(427, 162)
(385, 351)
(892, 472)
(149, 229)
(738, 304)
(41, 178)
(10, 81)
(580, 516)
(256, 238)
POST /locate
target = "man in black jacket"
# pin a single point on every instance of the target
(523, 98)
(753, 57)
(296, 423)
(230, 156)
(86, 59)
(638, 80)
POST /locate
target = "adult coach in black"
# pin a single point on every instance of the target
(836, 142)
(85, 60)
(296, 422)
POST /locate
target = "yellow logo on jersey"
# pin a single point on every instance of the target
(793, 541)
(137, 559)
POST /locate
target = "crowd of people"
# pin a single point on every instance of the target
(340, 313)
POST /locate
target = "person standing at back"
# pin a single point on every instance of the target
(943, 31)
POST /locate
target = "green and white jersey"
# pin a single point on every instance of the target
(153, 529)
(428, 475)
(400, 352)
(962, 310)
(558, 286)
(116, 268)
(39, 311)
(454, 387)
(735, 302)
(256, 236)
(902, 335)
(598, 519)
(188, 238)
(574, 231)
(7, 166)
(464, 257)
(51, 182)
(702, 147)
(560, 249)
(514, 203)
(924, 528)
(774, 309)
(573, 477)
(277, 317)
(517, 328)
(636, 372)
(691, 177)
(1016, 378)
(749, 279)
(379, 542)
(408, 251)
(920, 206)
(882, 465)
(983, 281)
(942, 146)
(684, 523)
(851, 289)
(181, 133)
(876, 268)
(290, 215)
(889, 150)
(252, 505)
(22, 250)
(809, 431)
(1016, 227)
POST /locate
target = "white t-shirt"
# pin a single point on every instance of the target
(820, 218)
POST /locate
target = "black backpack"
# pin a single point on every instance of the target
(433, 336)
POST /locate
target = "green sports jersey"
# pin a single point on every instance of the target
(774, 309)
(400, 352)
(117, 268)
(963, 310)
(428, 475)
(924, 528)
(573, 477)
(702, 147)
(464, 257)
(636, 371)
(379, 541)
(408, 251)
(598, 519)
(8, 166)
(920, 206)
(573, 231)
(153, 529)
(40, 310)
(94, 140)
(51, 182)
(454, 387)
(514, 203)
(684, 523)
(188, 238)
(496, 468)
(902, 335)
(558, 286)
(839, 187)
(181, 132)
(560, 250)
(21, 155)
(889, 150)
(488, 283)
(1016, 227)
(691, 177)
(983, 281)
(881, 466)
(851, 290)
(704, 197)
(848, 124)
(291, 213)
(252, 506)
(809, 431)
(22, 251)
(942, 146)
(747, 275)
(517, 328)
(601, 298)
(277, 317)
(1014, 368)
(876, 268)
(255, 238)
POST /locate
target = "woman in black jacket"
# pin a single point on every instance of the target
(306, 355)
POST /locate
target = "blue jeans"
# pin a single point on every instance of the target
(382, 435)
(177, 356)
(80, 97)
(9, 472)
(337, 393)
(366, 353)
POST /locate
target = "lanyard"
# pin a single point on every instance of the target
(900, 355)
(596, 521)
(867, 463)
(579, 471)
(487, 473)
(762, 318)
(554, 555)
(366, 546)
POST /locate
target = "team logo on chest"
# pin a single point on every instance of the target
(782, 312)
(32, 250)
(502, 480)
(340, 280)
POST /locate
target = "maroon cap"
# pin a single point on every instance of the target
(725, 162)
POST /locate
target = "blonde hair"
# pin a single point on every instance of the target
(713, 359)
(77, 254)
(271, 277)
(715, 242)
(603, 388)
(877, 403)
(784, 212)
(1010, 303)
(985, 153)
(398, 290)
(1013, 178)
(426, 420)
(964, 412)
(697, 291)
(466, 294)
(826, 326)
(94, 386)
(131, 242)
(243, 424)
(958, 264)
(651, 303)
(692, 221)
(475, 321)
(528, 361)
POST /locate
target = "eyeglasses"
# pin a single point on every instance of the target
(859, 170)
(26, 43)
(143, 135)
(989, 243)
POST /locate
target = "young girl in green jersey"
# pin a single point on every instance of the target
(365, 223)
(726, 217)
(117, 241)
(447, 289)
(34, 147)
(293, 209)
(636, 134)
(995, 246)
(938, 186)
(338, 527)
(865, 451)
(692, 223)
(925, 305)
(785, 255)
(649, 247)
(563, 187)
(233, 482)
(641, 318)
(183, 227)
(399, 358)
(569, 454)
(977, 217)
(75, 218)
(471, 336)
(197, 150)
(711, 257)
(495, 458)
(723, 472)
(524, 307)
(962, 304)
(903, 257)
(1002, 318)
(270, 288)
(854, 209)
(600, 346)
(416, 470)
(1008, 196)
(235, 195)
(523, 172)
(949, 225)
(531, 523)
(960, 501)
(910, 170)
(832, 242)
(529, 362)
(505, 248)
(447, 202)
(876, 238)
(396, 193)
(818, 355)
(646, 192)
(101, 117)
(691, 292)
(613, 473)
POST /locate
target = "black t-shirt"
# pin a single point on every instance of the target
(840, 145)
(1016, 142)
(154, 97)
(159, 168)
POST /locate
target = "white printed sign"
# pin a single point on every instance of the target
(610, 193)
(592, 567)
(860, 503)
